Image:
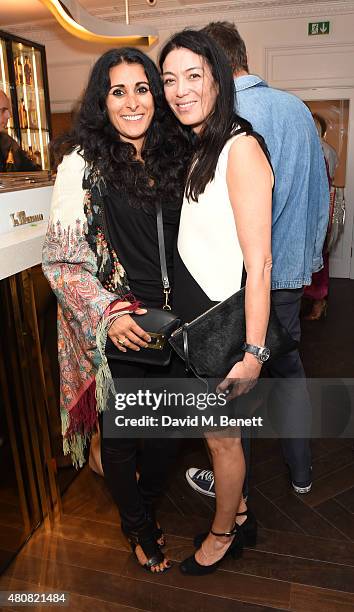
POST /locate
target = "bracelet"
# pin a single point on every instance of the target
(115, 315)
(120, 313)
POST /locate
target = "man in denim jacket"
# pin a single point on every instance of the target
(299, 224)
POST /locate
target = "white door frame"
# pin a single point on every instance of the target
(345, 246)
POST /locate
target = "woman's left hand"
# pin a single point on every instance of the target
(242, 378)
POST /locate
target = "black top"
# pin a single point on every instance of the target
(189, 299)
(22, 163)
(133, 235)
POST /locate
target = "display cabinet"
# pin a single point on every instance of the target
(23, 77)
(33, 472)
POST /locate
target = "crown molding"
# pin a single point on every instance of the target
(197, 14)
(242, 10)
(187, 6)
(341, 75)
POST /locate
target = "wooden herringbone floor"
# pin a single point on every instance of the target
(304, 559)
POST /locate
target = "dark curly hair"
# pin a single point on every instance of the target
(166, 150)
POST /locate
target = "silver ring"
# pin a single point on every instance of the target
(122, 342)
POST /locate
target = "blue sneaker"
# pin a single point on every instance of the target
(201, 481)
(304, 486)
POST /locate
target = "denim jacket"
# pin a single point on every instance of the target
(301, 194)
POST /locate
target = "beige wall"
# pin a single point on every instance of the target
(277, 42)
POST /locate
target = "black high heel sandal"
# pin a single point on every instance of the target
(247, 535)
(191, 567)
(159, 534)
(249, 528)
(145, 538)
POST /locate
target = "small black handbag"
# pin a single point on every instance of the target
(211, 344)
(159, 323)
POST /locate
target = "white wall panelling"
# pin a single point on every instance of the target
(311, 66)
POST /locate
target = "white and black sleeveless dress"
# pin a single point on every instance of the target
(208, 258)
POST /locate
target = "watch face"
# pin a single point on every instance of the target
(264, 354)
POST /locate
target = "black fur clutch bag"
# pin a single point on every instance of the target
(211, 344)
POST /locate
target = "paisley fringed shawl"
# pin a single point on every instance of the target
(87, 278)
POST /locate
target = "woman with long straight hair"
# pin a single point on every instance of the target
(225, 224)
(125, 153)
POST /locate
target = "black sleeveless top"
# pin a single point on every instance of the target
(133, 235)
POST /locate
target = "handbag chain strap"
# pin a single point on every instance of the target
(162, 253)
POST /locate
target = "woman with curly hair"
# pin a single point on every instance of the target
(125, 153)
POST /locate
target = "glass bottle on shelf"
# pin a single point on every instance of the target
(32, 115)
(34, 156)
(10, 162)
(37, 158)
(23, 115)
(28, 71)
(18, 71)
(17, 80)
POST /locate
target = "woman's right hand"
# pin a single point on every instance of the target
(242, 377)
(125, 333)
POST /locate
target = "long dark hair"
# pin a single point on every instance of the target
(166, 147)
(223, 122)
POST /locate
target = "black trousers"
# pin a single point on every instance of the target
(133, 497)
(291, 402)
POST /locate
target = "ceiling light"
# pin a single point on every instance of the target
(78, 22)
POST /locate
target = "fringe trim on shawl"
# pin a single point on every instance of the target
(104, 381)
(79, 423)
(83, 415)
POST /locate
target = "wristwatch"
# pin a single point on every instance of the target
(262, 353)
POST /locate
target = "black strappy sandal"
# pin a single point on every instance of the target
(247, 534)
(159, 534)
(145, 537)
(249, 528)
(191, 567)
